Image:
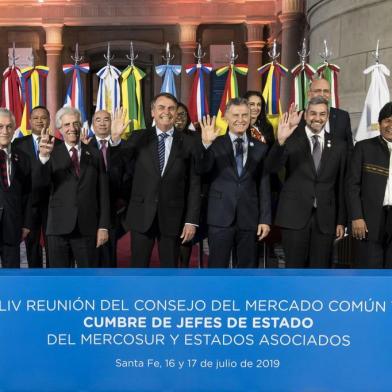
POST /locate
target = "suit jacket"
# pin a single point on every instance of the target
(119, 181)
(303, 184)
(82, 200)
(366, 183)
(15, 201)
(244, 199)
(40, 194)
(339, 126)
(174, 196)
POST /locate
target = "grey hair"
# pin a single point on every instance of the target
(64, 111)
(236, 102)
(8, 113)
(318, 101)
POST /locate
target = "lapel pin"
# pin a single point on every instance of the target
(16, 158)
(251, 144)
(329, 144)
(87, 153)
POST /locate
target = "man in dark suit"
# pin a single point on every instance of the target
(39, 120)
(369, 189)
(165, 196)
(311, 209)
(15, 194)
(338, 125)
(79, 211)
(239, 200)
(118, 186)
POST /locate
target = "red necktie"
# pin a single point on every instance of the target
(75, 160)
(104, 150)
(3, 168)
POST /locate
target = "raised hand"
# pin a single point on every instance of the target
(46, 143)
(294, 116)
(285, 129)
(84, 137)
(208, 131)
(119, 124)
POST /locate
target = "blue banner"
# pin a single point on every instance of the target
(195, 330)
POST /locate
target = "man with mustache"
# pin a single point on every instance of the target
(165, 197)
(311, 210)
(370, 196)
(78, 211)
(239, 200)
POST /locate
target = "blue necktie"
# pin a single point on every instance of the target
(161, 150)
(239, 155)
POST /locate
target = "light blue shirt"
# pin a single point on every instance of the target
(245, 144)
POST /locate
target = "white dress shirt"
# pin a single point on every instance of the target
(245, 143)
(321, 135)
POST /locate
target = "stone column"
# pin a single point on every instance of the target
(255, 46)
(292, 19)
(187, 43)
(53, 48)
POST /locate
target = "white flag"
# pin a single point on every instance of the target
(376, 98)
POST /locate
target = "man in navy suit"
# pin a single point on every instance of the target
(15, 193)
(239, 200)
(39, 120)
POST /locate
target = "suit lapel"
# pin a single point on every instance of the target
(305, 146)
(250, 159)
(326, 152)
(152, 147)
(85, 158)
(228, 146)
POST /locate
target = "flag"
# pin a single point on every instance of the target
(271, 92)
(131, 92)
(167, 70)
(75, 91)
(330, 72)
(230, 91)
(108, 97)
(11, 97)
(198, 104)
(302, 74)
(376, 98)
(33, 93)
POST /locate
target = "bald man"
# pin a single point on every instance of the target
(102, 122)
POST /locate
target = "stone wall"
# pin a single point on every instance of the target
(352, 28)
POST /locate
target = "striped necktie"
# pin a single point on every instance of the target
(161, 150)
